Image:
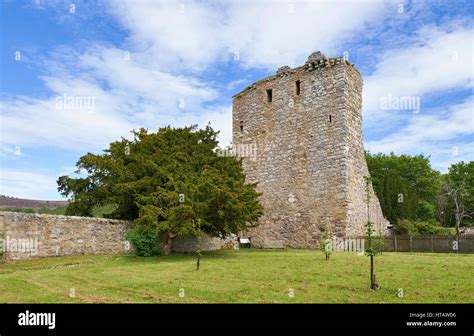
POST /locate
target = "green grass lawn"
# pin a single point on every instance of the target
(261, 276)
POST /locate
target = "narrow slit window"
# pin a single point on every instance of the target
(330, 118)
(241, 126)
(269, 95)
(298, 88)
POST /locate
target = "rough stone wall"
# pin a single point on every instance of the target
(357, 164)
(27, 236)
(31, 235)
(208, 243)
(310, 161)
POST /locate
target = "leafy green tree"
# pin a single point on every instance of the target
(425, 210)
(409, 175)
(455, 199)
(415, 169)
(445, 207)
(459, 187)
(448, 198)
(166, 182)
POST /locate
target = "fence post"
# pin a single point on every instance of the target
(411, 243)
(395, 243)
(432, 250)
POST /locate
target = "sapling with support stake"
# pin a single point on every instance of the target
(198, 234)
(326, 244)
(370, 251)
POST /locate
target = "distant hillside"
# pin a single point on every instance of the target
(46, 207)
(13, 202)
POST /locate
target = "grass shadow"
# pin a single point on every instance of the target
(175, 256)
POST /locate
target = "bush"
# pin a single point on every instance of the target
(144, 242)
(426, 228)
(445, 231)
(432, 227)
(405, 226)
(422, 228)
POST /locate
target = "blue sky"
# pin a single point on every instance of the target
(130, 64)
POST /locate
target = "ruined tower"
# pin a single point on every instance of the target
(306, 127)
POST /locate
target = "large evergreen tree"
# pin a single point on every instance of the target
(168, 182)
(397, 198)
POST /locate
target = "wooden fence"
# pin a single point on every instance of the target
(433, 244)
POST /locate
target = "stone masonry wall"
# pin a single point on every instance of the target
(31, 235)
(208, 243)
(310, 162)
(27, 236)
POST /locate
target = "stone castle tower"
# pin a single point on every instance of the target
(305, 126)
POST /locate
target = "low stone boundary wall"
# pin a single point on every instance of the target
(25, 236)
(28, 236)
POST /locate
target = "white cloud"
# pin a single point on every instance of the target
(232, 85)
(457, 121)
(191, 35)
(37, 123)
(436, 61)
(220, 119)
(149, 88)
(272, 34)
(445, 154)
(439, 59)
(125, 95)
(27, 184)
(446, 136)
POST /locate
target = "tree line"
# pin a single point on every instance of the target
(418, 199)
